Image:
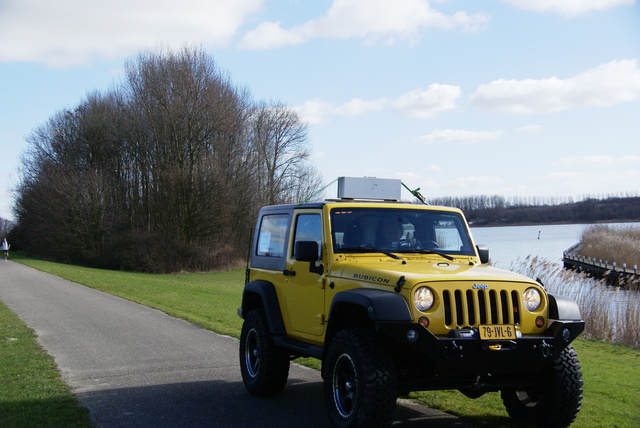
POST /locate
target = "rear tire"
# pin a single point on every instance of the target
(556, 401)
(264, 365)
(360, 387)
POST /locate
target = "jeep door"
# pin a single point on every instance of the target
(304, 290)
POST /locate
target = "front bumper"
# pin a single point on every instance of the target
(472, 365)
(474, 351)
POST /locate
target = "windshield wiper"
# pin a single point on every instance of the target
(441, 254)
(371, 250)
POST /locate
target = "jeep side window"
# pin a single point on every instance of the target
(308, 228)
(273, 229)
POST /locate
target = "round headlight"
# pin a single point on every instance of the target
(423, 299)
(532, 299)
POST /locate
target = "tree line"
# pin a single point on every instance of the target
(497, 210)
(5, 227)
(163, 172)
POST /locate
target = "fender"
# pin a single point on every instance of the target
(563, 308)
(380, 305)
(267, 294)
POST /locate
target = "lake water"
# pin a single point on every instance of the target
(509, 244)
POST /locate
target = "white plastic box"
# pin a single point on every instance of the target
(387, 189)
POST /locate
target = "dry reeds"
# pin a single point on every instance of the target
(611, 314)
(614, 244)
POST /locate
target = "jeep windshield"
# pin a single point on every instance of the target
(399, 230)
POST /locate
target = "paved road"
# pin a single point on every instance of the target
(135, 366)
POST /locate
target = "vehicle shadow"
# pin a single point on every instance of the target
(227, 404)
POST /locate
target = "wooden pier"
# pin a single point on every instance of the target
(613, 273)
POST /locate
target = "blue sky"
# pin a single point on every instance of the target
(509, 97)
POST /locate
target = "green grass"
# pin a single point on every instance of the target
(611, 391)
(31, 391)
(612, 381)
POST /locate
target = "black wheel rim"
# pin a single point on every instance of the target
(345, 386)
(526, 398)
(252, 353)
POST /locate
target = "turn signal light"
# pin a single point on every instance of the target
(423, 321)
(539, 322)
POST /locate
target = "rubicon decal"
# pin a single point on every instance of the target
(371, 278)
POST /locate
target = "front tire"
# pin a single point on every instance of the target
(264, 365)
(556, 401)
(360, 387)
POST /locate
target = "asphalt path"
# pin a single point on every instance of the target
(133, 366)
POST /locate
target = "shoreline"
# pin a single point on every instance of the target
(499, 224)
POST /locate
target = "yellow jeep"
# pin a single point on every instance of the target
(396, 297)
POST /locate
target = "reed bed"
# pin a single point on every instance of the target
(611, 314)
(614, 244)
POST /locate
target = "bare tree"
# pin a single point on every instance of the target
(164, 172)
(280, 141)
(5, 226)
(188, 119)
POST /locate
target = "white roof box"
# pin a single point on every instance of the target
(385, 189)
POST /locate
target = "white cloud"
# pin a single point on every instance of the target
(425, 103)
(452, 136)
(611, 83)
(567, 176)
(69, 32)
(433, 168)
(594, 174)
(586, 160)
(600, 182)
(408, 176)
(568, 8)
(358, 106)
(418, 103)
(315, 111)
(370, 20)
(476, 182)
(270, 35)
(597, 160)
(530, 128)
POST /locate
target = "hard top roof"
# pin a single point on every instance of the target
(354, 202)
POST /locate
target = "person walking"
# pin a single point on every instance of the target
(5, 248)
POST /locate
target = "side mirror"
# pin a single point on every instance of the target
(307, 251)
(483, 252)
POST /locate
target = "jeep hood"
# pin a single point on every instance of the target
(389, 272)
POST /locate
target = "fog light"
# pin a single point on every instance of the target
(423, 321)
(539, 322)
(412, 335)
(566, 334)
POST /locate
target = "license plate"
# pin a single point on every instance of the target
(501, 331)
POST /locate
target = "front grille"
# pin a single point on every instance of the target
(470, 308)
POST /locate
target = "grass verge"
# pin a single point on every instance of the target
(31, 391)
(611, 392)
(611, 397)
